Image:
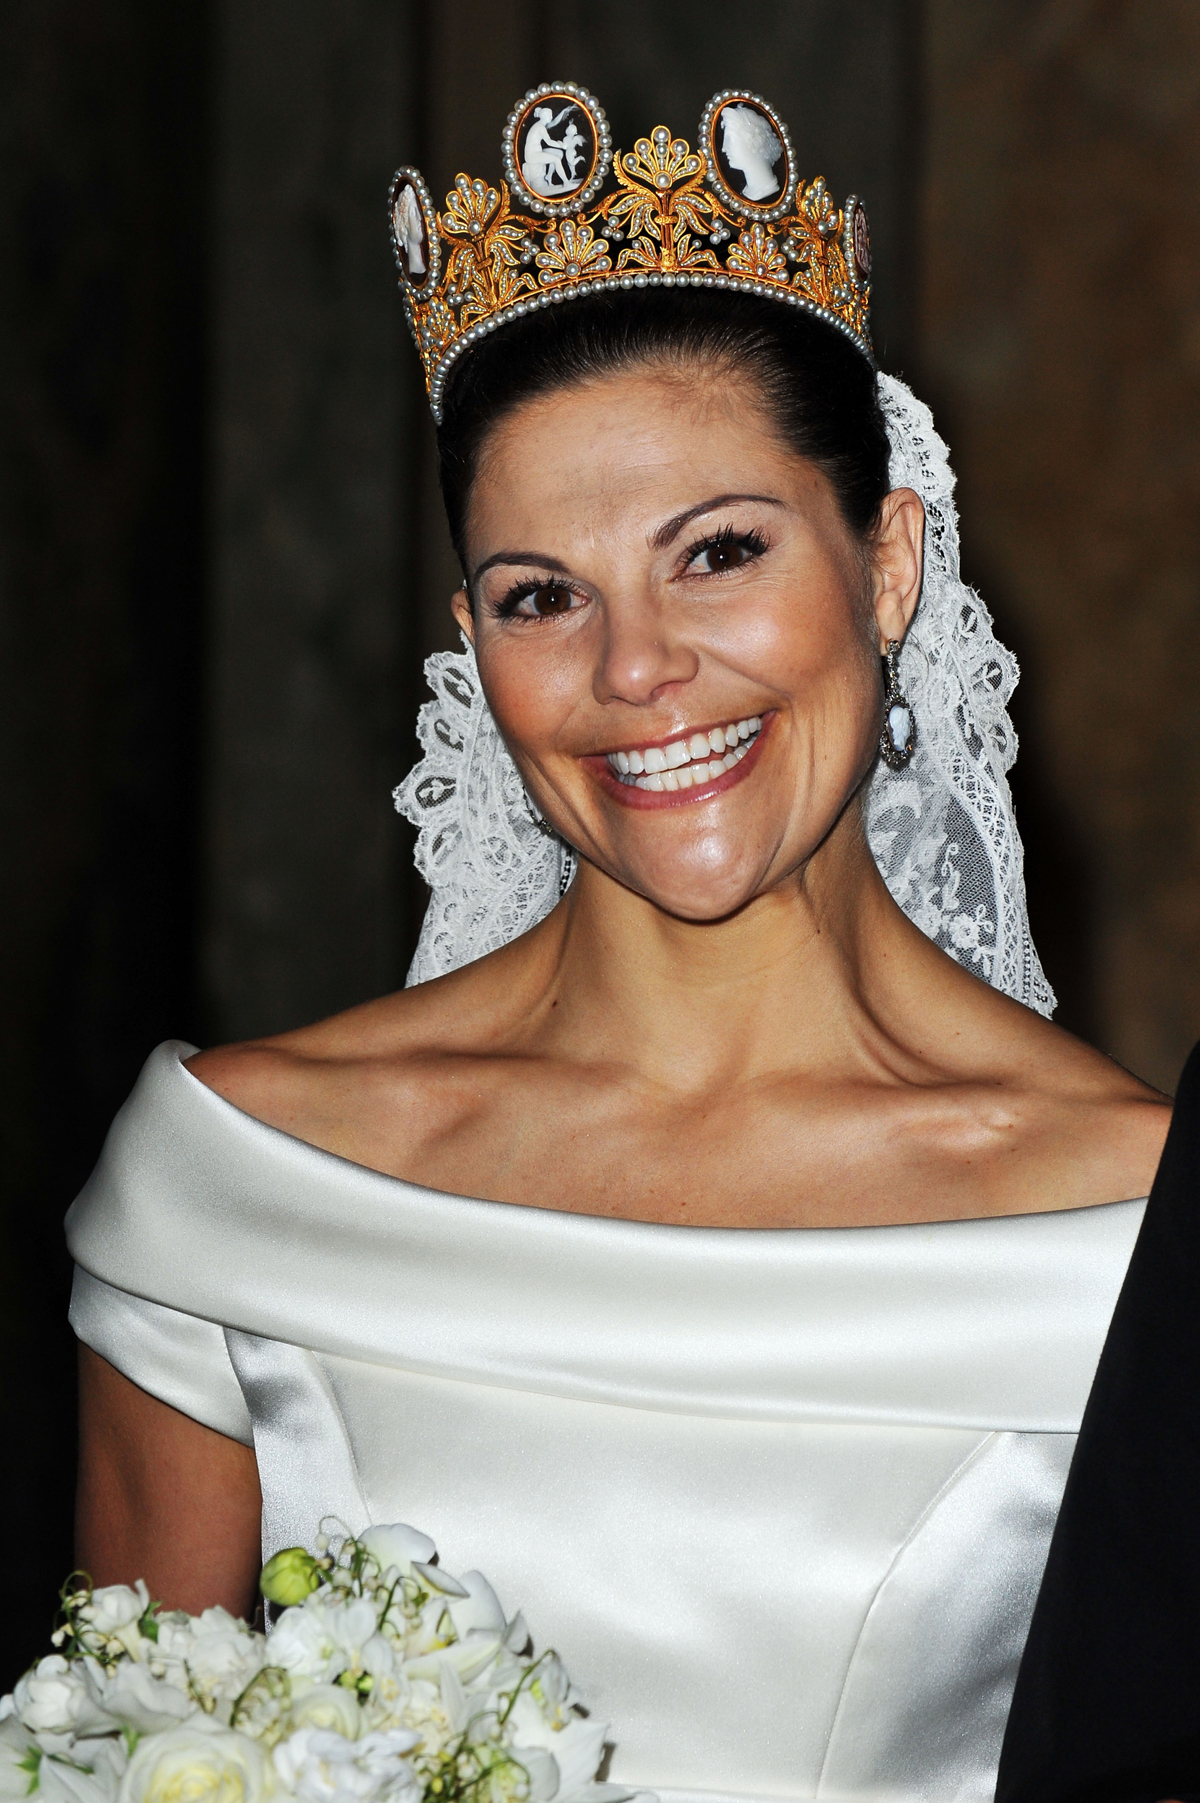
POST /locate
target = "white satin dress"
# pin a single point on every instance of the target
(781, 1499)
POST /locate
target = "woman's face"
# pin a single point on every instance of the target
(663, 589)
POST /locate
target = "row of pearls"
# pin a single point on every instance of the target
(508, 149)
(648, 279)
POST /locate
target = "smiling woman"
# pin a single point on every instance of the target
(501, 1236)
(710, 539)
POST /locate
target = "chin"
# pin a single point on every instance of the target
(700, 897)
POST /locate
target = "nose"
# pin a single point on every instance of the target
(641, 654)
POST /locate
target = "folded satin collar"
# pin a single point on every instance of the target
(994, 1323)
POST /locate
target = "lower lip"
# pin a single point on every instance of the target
(631, 796)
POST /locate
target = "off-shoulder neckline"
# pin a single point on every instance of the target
(179, 1055)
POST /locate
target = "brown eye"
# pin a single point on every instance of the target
(547, 601)
(724, 557)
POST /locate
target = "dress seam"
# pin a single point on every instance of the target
(914, 1531)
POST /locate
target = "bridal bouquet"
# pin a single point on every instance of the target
(383, 1680)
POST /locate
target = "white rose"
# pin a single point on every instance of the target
(214, 1652)
(131, 1696)
(114, 1614)
(397, 1546)
(199, 1763)
(52, 1698)
(329, 1706)
(321, 1767)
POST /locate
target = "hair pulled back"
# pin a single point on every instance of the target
(816, 388)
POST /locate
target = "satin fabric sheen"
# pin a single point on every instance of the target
(781, 1499)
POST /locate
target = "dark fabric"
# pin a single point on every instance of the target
(1107, 1703)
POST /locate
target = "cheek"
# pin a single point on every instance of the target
(532, 687)
(808, 640)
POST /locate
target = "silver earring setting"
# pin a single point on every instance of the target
(539, 820)
(898, 740)
(570, 860)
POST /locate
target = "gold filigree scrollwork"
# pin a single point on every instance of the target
(662, 209)
(672, 225)
(757, 254)
(435, 328)
(484, 270)
(572, 252)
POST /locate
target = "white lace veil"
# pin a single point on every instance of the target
(942, 830)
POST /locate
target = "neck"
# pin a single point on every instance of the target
(809, 976)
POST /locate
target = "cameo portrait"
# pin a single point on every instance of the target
(414, 234)
(557, 148)
(749, 155)
(857, 243)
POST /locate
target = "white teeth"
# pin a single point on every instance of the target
(686, 763)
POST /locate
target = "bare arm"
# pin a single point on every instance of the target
(163, 1498)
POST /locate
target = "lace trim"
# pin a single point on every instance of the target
(493, 868)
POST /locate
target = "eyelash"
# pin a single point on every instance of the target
(753, 541)
(506, 607)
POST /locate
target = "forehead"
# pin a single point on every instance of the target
(622, 447)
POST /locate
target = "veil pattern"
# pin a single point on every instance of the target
(942, 831)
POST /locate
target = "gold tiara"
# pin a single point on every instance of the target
(732, 215)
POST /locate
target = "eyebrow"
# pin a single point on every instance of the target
(538, 558)
(660, 538)
(669, 531)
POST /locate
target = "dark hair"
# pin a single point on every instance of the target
(816, 387)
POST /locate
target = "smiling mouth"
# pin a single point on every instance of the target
(686, 763)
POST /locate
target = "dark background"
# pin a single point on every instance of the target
(221, 556)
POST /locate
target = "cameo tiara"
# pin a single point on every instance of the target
(732, 215)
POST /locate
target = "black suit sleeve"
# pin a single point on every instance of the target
(1107, 1703)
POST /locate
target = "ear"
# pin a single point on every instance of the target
(460, 607)
(897, 554)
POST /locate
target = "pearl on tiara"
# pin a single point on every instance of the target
(732, 215)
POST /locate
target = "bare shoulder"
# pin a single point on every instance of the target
(1092, 1131)
(286, 1079)
(337, 1082)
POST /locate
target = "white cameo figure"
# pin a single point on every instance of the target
(410, 230)
(749, 145)
(572, 139)
(544, 160)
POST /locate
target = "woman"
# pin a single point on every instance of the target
(718, 1262)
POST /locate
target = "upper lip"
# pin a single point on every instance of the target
(680, 733)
